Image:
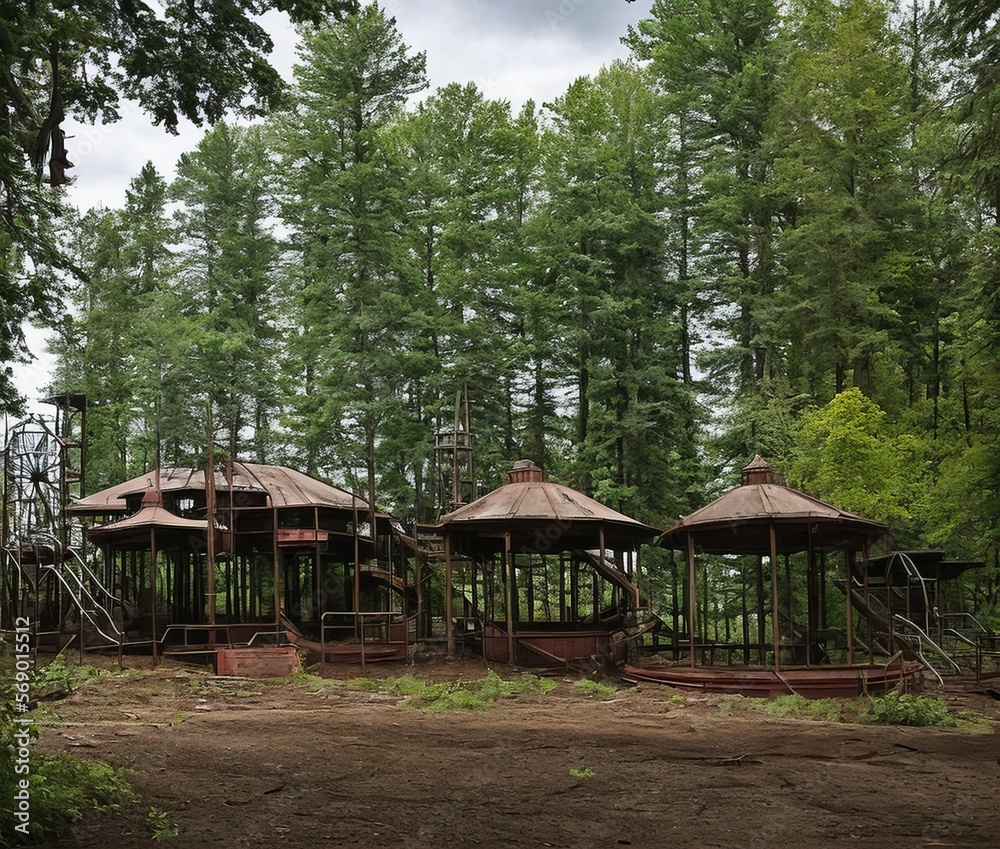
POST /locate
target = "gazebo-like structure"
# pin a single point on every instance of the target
(287, 555)
(551, 572)
(787, 638)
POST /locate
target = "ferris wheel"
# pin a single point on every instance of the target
(34, 484)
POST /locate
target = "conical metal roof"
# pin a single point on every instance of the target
(554, 516)
(151, 516)
(739, 522)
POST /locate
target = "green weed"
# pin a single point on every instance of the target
(895, 708)
(56, 675)
(61, 789)
(160, 826)
(581, 772)
(595, 688)
(892, 708)
(434, 697)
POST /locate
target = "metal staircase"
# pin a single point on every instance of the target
(908, 634)
(92, 600)
(895, 630)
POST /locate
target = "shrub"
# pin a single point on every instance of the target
(894, 708)
(61, 789)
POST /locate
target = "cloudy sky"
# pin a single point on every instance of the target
(512, 49)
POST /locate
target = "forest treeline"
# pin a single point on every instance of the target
(774, 230)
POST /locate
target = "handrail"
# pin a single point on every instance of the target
(921, 637)
(112, 600)
(959, 636)
(17, 564)
(913, 573)
(83, 588)
(80, 606)
(966, 615)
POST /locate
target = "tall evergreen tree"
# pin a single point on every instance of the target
(844, 124)
(101, 348)
(624, 349)
(227, 279)
(344, 203)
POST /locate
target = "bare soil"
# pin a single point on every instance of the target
(237, 763)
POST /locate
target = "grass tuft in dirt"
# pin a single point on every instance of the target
(595, 689)
(892, 708)
(159, 825)
(434, 697)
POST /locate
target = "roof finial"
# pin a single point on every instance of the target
(525, 471)
(758, 471)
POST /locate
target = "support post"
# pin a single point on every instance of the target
(775, 629)
(511, 597)
(692, 602)
(449, 627)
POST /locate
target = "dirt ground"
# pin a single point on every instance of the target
(237, 763)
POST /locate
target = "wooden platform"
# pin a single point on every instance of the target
(343, 652)
(545, 644)
(814, 682)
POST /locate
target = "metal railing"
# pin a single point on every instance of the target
(922, 637)
(382, 620)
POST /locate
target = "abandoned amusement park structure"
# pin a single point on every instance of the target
(248, 558)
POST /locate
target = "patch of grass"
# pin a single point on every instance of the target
(892, 708)
(56, 675)
(313, 683)
(159, 825)
(822, 710)
(581, 772)
(595, 688)
(677, 700)
(368, 685)
(458, 695)
(895, 708)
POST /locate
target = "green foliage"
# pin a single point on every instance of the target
(581, 772)
(595, 688)
(159, 825)
(847, 456)
(824, 710)
(434, 697)
(891, 708)
(62, 788)
(56, 675)
(894, 708)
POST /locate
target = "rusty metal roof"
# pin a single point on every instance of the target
(740, 520)
(283, 487)
(529, 504)
(152, 515)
